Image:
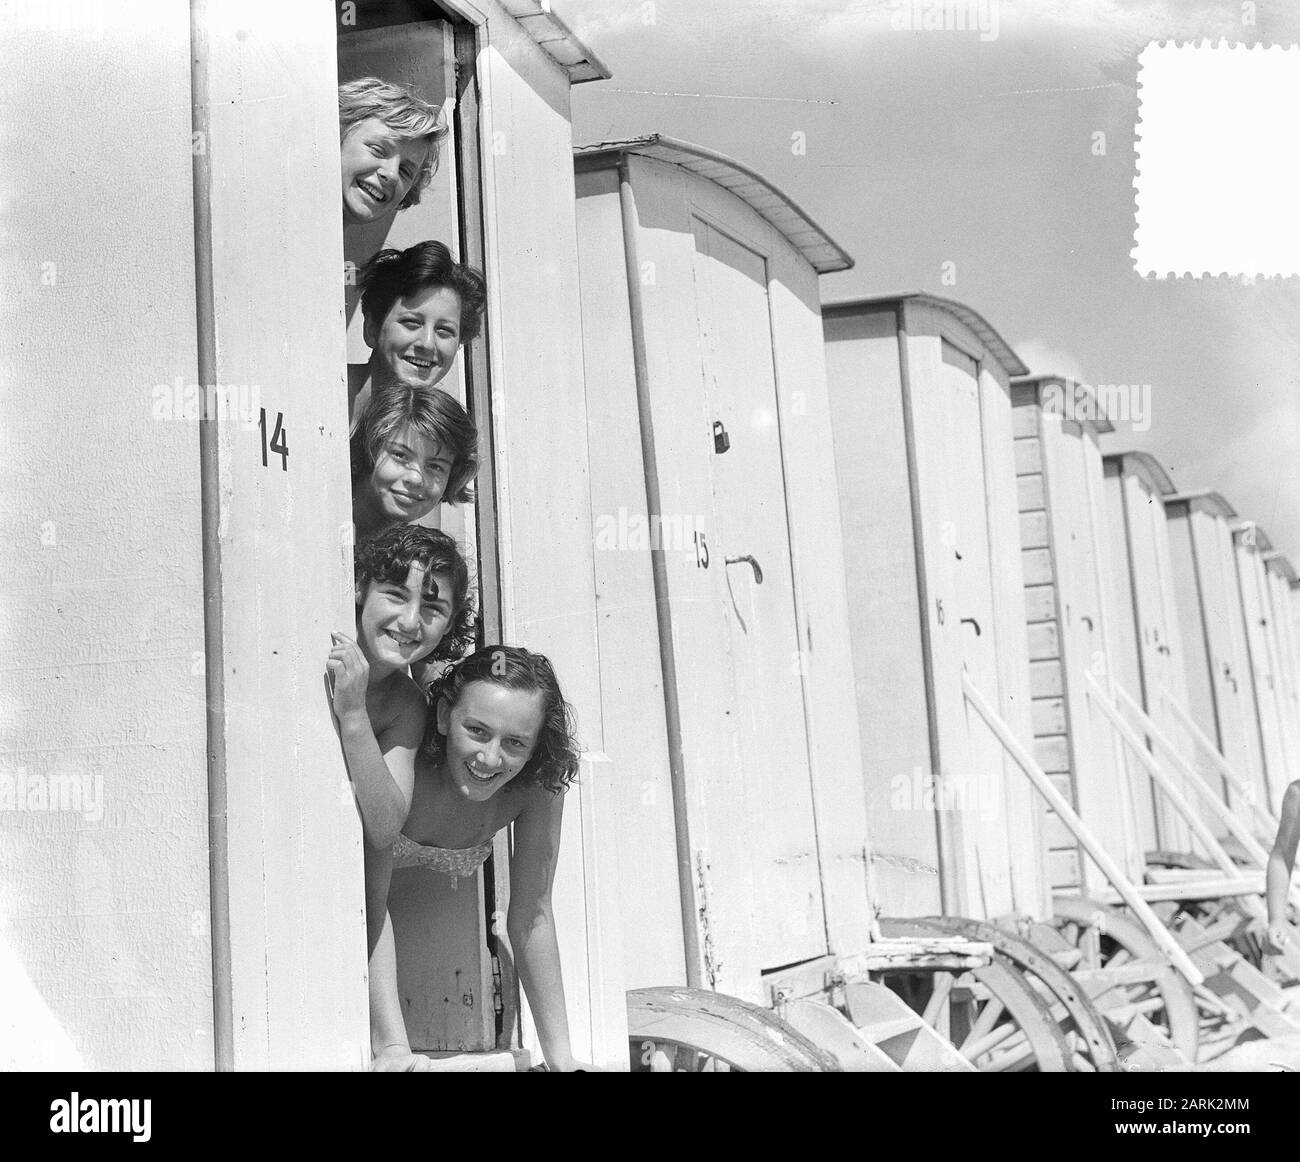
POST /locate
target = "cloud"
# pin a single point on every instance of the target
(592, 22)
(1233, 467)
(1043, 358)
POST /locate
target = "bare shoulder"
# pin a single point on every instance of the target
(401, 703)
(407, 692)
(536, 801)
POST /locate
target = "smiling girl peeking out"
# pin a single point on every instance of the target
(388, 140)
(414, 449)
(419, 306)
(499, 751)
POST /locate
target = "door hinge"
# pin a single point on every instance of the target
(498, 1002)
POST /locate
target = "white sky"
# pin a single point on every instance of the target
(936, 146)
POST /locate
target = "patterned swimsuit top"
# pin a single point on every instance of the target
(451, 861)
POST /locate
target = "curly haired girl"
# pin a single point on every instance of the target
(499, 750)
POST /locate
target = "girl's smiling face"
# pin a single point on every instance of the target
(398, 623)
(379, 169)
(417, 341)
(491, 733)
(407, 482)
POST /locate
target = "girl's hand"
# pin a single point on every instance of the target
(1277, 939)
(399, 1059)
(349, 675)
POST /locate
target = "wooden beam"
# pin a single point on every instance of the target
(1163, 780)
(1221, 764)
(1254, 849)
(1247, 885)
(1225, 814)
(1110, 869)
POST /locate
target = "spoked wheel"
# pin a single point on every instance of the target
(1091, 1048)
(992, 1014)
(685, 1030)
(1125, 973)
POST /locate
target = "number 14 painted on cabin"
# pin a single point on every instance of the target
(279, 440)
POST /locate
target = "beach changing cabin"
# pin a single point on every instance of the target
(724, 661)
(1253, 546)
(924, 458)
(1220, 683)
(1058, 426)
(1145, 643)
(1281, 577)
(177, 810)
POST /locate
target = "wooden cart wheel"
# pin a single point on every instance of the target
(685, 1030)
(1149, 985)
(1087, 1035)
(992, 1014)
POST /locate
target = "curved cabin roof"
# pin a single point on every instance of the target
(1280, 563)
(1145, 465)
(1098, 417)
(1263, 543)
(555, 39)
(997, 346)
(823, 253)
(1206, 498)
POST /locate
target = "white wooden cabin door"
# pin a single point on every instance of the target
(972, 790)
(1234, 684)
(1157, 642)
(750, 550)
(1255, 606)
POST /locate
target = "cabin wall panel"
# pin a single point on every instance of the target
(1282, 634)
(1250, 576)
(1024, 807)
(880, 564)
(632, 695)
(821, 593)
(296, 907)
(542, 413)
(711, 757)
(104, 933)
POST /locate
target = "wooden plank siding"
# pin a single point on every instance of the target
(1042, 615)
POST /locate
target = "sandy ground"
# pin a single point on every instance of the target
(1276, 1055)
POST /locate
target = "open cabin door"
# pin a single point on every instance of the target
(442, 929)
(752, 557)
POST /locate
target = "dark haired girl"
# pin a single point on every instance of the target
(419, 305)
(499, 750)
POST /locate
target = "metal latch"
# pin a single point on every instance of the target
(498, 1002)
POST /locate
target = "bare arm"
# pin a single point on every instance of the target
(381, 766)
(382, 770)
(1281, 861)
(530, 924)
(386, 1025)
(389, 1046)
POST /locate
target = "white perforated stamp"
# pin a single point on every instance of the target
(1217, 165)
